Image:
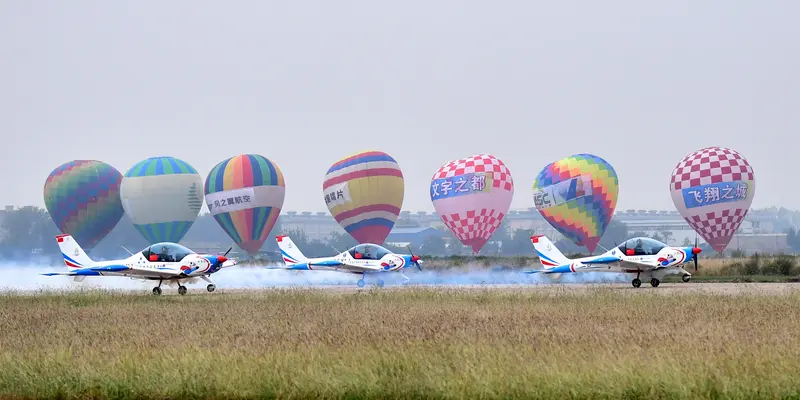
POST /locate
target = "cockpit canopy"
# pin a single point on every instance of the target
(641, 246)
(166, 252)
(368, 252)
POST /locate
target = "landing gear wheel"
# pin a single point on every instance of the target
(380, 282)
(181, 290)
(211, 287)
(361, 283)
(654, 282)
(636, 282)
(156, 290)
(686, 278)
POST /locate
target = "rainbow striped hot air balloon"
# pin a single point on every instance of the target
(162, 197)
(82, 197)
(245, 195)
(364, 193)
(577, 195)
(472, 196)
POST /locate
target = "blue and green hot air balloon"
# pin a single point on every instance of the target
(162, 196)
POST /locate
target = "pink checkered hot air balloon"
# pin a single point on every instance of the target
(472, 196)
(713, 188)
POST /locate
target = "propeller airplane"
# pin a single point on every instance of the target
(365, 259)
(645, 257)
(161, 261)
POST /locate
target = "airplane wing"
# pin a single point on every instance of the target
(358, 268)
(644, 265)
(121, 270)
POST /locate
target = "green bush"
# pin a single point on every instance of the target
(784, 264)
(734, 268)
(753, 265)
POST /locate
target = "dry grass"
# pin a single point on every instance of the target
(414, 343)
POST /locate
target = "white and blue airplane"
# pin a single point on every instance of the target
(166, 261)
(365, 259)
(645, 257)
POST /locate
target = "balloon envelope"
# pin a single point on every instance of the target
(82, 197)
(364, 193)
(245, 195)
(577, 195)
(162, 197)
(713, 188)
(472, 196)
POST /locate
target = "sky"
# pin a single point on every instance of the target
(306, 83)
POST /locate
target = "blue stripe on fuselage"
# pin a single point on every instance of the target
(300, 266)
(602, 260)
(562, 269)
(326, 263)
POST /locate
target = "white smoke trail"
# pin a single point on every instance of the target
(22, 276)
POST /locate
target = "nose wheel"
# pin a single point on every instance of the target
(182, 290)
(211, 287)
(686, 278)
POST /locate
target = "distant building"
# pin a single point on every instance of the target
(770, 243)
(412, 236)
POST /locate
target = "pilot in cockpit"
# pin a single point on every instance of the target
(164, 255)
(639, 247)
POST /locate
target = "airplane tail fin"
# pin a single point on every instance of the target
(74, 256)
(549, 255)
(289, 251)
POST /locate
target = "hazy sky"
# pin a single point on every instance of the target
(304, 83)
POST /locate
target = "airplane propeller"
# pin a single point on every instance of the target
(415, 259)
(695, 251)
(221, 257)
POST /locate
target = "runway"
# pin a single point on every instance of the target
(666, 288)
(718, 289)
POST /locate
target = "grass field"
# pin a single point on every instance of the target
(413, 343)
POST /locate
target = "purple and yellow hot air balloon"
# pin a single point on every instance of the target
(577, 195)
(364, 193)
(245, 195)
(82, 197)
(472, 196)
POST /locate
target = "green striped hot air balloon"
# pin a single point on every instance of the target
(162, 196)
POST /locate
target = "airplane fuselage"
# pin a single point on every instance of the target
(345, 263)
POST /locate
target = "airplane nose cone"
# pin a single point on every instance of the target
(696, 250)
(414, 258)
(221, 259)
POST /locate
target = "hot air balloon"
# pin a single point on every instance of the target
(162, 196)
(364, 193)
(577, 195)
(82, 197)
(713, 188)
(245, 195)
(472, 196)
